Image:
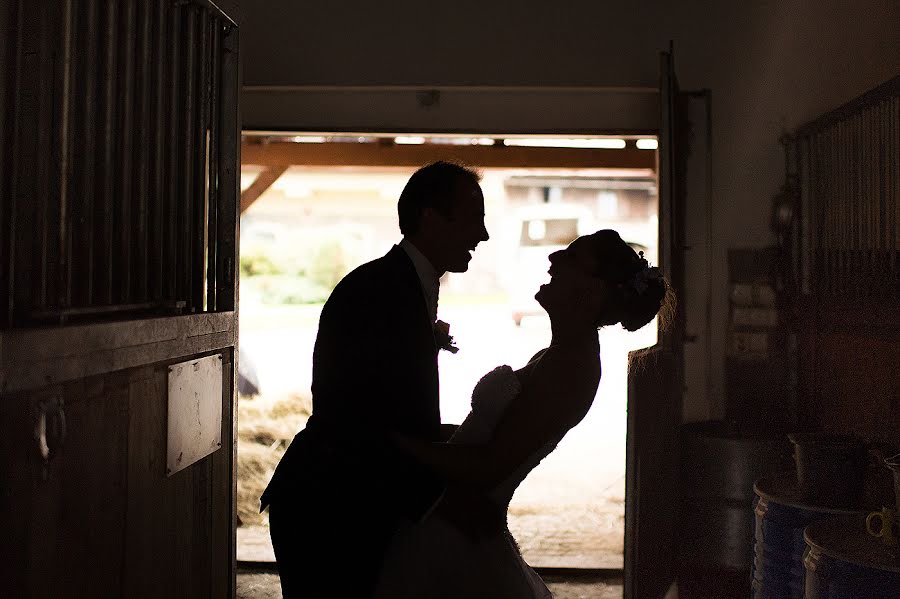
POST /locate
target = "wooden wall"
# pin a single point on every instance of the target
(102, 519)
(848, 372)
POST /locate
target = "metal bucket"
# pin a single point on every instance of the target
(719, 467)
(781, 516)
(831, 469)
(842, 562)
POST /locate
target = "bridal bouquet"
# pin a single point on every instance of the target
(443, 338)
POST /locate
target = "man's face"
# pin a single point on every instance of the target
(455, 239)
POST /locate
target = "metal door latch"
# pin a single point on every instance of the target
(49, 430)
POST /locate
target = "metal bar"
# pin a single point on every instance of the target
(847, 206)
(212, 271)
(894, 207)
(887, 212)
(827, 216)
(857, 176)
(155, 238)
(62, 178)
(814, 205)
(145, 141)
(880, 211)
(125, 140)
(87, 167)
(201, 167)
(887, 216)
(854, 170)
(834, 209)
(18, 110)
(105, 207)
(883, 211)
(821, 231)
(882, 174)
(872, 200)
(41, 256)
(840, 205)
(170, 262)
(876, 202)
(869, 168)
(6, 175)
(185, 257)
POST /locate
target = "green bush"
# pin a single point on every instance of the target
(329, 265)
(289, 289)
(255, 264)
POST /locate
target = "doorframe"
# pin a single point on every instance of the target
(475, 110)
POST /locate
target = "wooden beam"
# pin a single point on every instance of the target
(263, 181)
(285, 154)
(39, 357)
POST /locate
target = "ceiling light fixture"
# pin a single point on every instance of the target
(604, 143)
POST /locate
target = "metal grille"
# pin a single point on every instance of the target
(849, 170)
(121, 133)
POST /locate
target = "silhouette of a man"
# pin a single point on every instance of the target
(341, 488)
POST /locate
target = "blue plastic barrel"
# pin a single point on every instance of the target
(843, 562)
(781, 516)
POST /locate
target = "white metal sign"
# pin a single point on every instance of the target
(195, 412)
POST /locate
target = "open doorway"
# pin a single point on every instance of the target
(316, 206)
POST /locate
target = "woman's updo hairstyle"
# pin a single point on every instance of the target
(642, 291)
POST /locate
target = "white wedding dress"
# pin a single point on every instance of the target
(433, 560)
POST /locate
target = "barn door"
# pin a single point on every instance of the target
(655, 388)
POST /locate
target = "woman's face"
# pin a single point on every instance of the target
(572, 282)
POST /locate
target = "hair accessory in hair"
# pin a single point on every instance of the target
(644, 274)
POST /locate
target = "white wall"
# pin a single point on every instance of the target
(770, 65)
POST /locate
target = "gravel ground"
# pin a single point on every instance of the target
(263, 585)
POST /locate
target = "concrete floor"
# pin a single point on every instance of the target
(265, 585)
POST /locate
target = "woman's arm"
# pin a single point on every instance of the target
(557, 395)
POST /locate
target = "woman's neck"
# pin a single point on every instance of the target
(574, 335)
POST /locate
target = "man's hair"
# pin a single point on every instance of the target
(431, 186)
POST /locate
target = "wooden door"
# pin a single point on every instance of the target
(655, 387)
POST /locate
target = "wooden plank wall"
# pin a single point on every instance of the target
(849, 374)
(104, 519)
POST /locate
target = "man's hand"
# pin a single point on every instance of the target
(447, 431)
(473, 514)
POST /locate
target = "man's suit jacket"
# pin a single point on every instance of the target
(374, 371)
